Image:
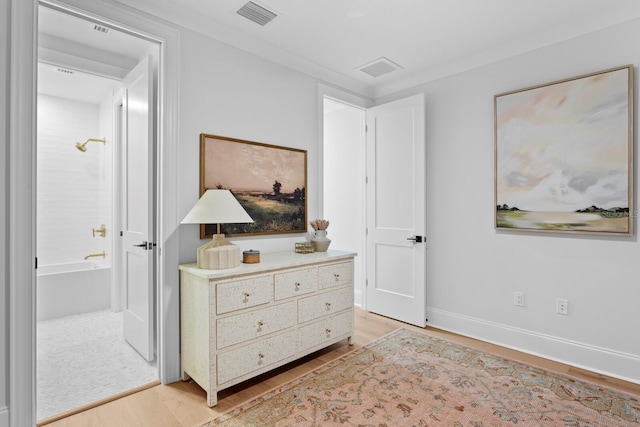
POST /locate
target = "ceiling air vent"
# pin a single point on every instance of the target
(256, 13)
(65, 71)
(101, 29)
(379, 67)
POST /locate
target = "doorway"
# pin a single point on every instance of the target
(343, 194)
(388, 207)
(80, 148)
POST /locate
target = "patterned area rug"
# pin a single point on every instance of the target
(408, 378)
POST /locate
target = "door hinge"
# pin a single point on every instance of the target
(36, 263)
(120, 233)
(366, 283)
(366, 231)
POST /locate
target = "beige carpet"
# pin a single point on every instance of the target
(408, 378)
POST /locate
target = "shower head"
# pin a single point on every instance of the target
(82, 146)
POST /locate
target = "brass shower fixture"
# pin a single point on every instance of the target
(82, 147)
(101, 254)
(99, 231)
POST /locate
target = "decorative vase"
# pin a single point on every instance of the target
(320, 241)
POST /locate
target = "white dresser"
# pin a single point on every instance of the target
(241, 322)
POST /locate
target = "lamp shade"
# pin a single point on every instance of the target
(217, 207)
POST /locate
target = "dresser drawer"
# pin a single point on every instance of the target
(338, 274)
(325, 330)
(294, 283)
(242, 361)
(325, 304)
(243, 327)
(231, 296)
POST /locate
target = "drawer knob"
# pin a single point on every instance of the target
(260, 325)
(246, 297)
(328, 304)
(297, 286)
(260, 358)
(328, 331)
(337, 276)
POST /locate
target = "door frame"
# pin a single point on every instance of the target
(22, 190)
(116, 210)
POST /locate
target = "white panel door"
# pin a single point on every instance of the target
(396, 210)
(137, 221)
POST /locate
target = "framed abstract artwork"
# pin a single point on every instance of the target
(564, 155)
(269, 181)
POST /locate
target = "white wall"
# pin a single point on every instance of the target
(71, 184)
(4, 300)
(227, 92)
(474, 270)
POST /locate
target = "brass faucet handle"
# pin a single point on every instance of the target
(102, 231)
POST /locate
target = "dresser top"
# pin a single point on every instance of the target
(269, 262)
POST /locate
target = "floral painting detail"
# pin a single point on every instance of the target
(564, 155)
(384, 384)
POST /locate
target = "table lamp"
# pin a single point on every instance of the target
(217, 207)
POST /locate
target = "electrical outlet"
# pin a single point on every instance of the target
(562, 306)
(518, 299)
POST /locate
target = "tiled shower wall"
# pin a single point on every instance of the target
(74, 193)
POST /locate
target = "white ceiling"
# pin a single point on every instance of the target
(73, 84)
(331, 39)
(429, 39)
(80, 63)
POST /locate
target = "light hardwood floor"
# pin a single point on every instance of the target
(184, 403)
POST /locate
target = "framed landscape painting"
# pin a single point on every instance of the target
(564, 155)
(269, 181)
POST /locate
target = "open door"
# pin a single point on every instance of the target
(396, 210)
(137, 210)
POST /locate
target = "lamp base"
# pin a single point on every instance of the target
(218, 254)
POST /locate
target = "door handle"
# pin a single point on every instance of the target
(141, 245)
(417, 239)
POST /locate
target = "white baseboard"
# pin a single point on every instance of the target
(357, 296)
(605, 361)
(4, 417)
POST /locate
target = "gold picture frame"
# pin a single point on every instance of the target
(564, 155)
(269, 181)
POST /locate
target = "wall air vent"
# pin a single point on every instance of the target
(256, 13)
(379, 67)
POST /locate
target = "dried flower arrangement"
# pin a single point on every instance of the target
(319, 224)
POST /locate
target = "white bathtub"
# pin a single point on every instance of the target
(72, 288)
